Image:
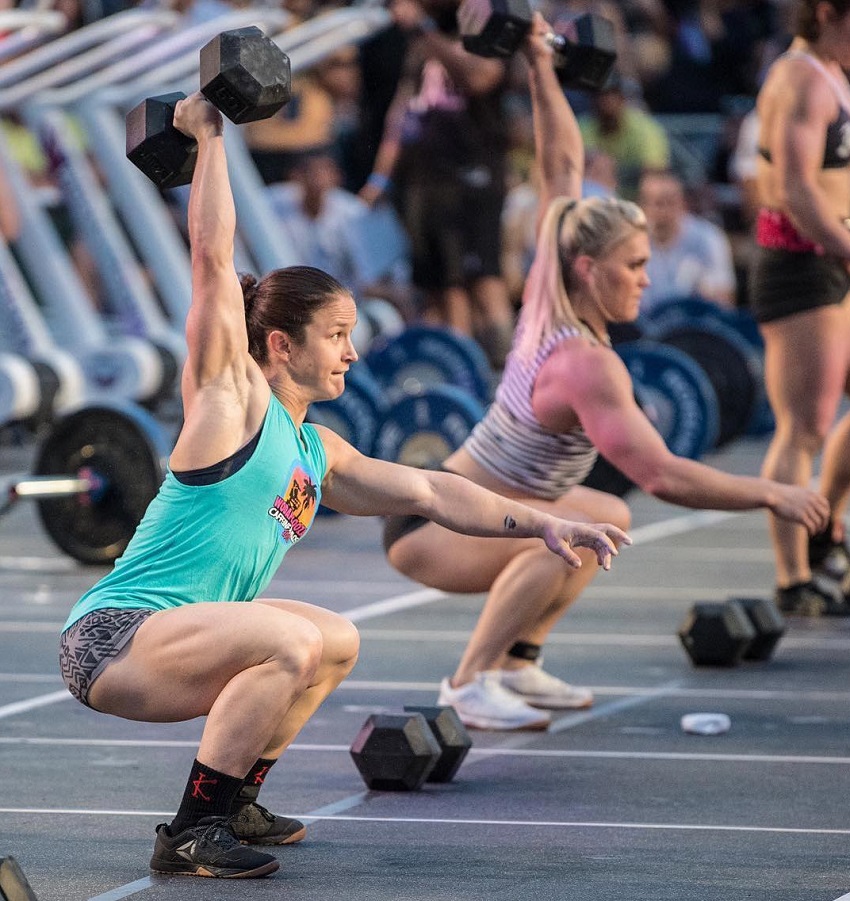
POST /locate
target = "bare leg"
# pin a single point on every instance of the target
(243, 666)
(494, 316)
(529, 588)
(835, 474)
(547, 587)
(804, 398)
(340, 644)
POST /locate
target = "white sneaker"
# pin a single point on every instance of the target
(485, 704)
(540, 689)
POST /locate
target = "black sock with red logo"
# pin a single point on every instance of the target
(208, 793)
(252, 784)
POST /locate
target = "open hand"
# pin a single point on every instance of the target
(601, 538)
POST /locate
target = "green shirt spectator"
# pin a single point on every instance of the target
(634, 139)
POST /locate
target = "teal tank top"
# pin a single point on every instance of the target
(224, 541)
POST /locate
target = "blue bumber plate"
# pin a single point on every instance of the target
(676, 395)
(423, 429)
(423, 356)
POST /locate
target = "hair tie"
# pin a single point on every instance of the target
(568, 208)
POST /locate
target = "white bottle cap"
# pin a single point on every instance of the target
(706, 723)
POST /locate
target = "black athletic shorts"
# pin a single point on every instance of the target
(87, 646)
(782, 283)
(454, 228)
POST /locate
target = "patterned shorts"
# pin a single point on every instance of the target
(89, 644)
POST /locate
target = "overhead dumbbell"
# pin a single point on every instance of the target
(584, 54)
(243, 73)
(93, 478)
(724, 634)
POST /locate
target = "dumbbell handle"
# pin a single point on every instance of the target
(556, 41)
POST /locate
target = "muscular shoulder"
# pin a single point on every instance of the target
(577, 373)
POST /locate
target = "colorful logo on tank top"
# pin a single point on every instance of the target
(295, 508)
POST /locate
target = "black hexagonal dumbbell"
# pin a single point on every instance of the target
(452, 737)
(395, 752)
(724, 634)
(243, 73)
(584, 54)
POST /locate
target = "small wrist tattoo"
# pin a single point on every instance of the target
(510, 523)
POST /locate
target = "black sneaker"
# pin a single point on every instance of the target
(830, 559)
(208, 848)
(817, 597)
(254, 825)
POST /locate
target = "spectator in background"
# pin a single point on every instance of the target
(331, 229)
(628, 134)
(690, 254)
(304, 125)
(520, 216)
(445, 147)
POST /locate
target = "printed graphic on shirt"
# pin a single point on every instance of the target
(295, 508)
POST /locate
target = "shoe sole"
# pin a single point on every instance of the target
(548, 704)
(216, 872)
(281, 840)
(537, 726)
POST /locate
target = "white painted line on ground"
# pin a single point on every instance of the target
(570, 721)
(41, 701)
(336, 807)
(443, 821)
(844, 897)
(712, 554)
(474, 752)
(615, 639)
(718, 693)
(393, 605)
(678, 525)
(124, 891)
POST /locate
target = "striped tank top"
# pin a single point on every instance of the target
(511, 444)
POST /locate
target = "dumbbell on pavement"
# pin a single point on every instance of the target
(724, 634)
(496, 28)
(403, 751)
(395, 751)
(242, 72)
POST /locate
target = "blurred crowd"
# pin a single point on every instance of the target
(437, 155)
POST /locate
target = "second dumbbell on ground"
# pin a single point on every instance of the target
(243, 73)
(724, 634)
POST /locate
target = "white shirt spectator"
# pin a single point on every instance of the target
(699, 262)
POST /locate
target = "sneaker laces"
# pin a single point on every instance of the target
(218, 831)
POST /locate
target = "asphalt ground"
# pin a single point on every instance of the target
(615, 803)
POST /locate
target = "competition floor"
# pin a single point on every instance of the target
(612, 804)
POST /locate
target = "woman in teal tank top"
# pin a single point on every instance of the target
(169, 634)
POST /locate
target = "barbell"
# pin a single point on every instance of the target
(93, 478)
